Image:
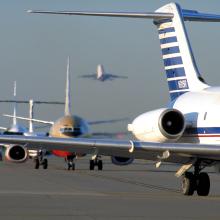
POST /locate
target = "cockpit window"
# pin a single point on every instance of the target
(71, 131)
(66, 129)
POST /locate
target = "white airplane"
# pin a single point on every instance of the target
(102, 76)
(17, 129)
(70, 126)
(186, 132)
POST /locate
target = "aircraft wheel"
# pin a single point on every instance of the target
(92, 165)
(69, 165)
(73, 166)
(100, 165)
(188, 184)
(45, 163)
(36, 163)
(203, 186)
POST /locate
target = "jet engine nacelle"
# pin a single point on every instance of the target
(121, 161)
(16, 153)
(161, 125)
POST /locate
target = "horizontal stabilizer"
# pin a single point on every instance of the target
(188, 15)
(30, 119)
(108, 14)
(35, 102)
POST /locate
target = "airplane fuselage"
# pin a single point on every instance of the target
(201, 111)
(69, 127)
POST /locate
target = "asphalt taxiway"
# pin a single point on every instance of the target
(138, 191)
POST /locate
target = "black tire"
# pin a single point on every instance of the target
(73, 166)
(45, 164)
(100, 165)
(203, 186)
(91, 164)
(36, 163)
(188, 184)
(68, 166)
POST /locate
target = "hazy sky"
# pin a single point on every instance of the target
(34, 50)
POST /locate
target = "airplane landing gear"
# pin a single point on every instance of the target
(197, 181)
(70, 162)
(40, 160)
(96, 162)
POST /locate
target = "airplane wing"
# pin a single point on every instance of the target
(117, 76)
(107, 121)
(167, 152)
(90, 76)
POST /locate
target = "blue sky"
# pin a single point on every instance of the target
(34, 50)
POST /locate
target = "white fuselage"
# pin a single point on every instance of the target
(201, 111)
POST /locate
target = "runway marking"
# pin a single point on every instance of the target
(123, 180)
(46, 193)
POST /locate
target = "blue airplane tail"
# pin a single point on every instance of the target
(179, 63)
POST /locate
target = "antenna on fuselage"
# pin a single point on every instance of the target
(67, 99)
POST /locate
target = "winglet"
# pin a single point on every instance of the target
(67, 100)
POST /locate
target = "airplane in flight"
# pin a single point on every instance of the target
(186, 132)
(102, 76)
(73, 126)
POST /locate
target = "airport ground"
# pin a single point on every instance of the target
(138, 191)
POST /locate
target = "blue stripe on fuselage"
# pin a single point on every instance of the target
(203, 130)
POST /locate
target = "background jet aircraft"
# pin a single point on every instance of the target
(102, 76)
(18, 129)
(74, 126)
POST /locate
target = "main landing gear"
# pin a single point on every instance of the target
(197, 181)
(96, 162)
(70, 162)
(39, 160)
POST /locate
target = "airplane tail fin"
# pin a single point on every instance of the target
(68, 97)
(15, 104)
(179, 63)
(100, 71)
(31, 115)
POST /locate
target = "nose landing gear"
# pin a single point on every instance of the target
(70, 162)
(96, 162)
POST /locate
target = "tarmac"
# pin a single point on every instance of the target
(138, 191)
